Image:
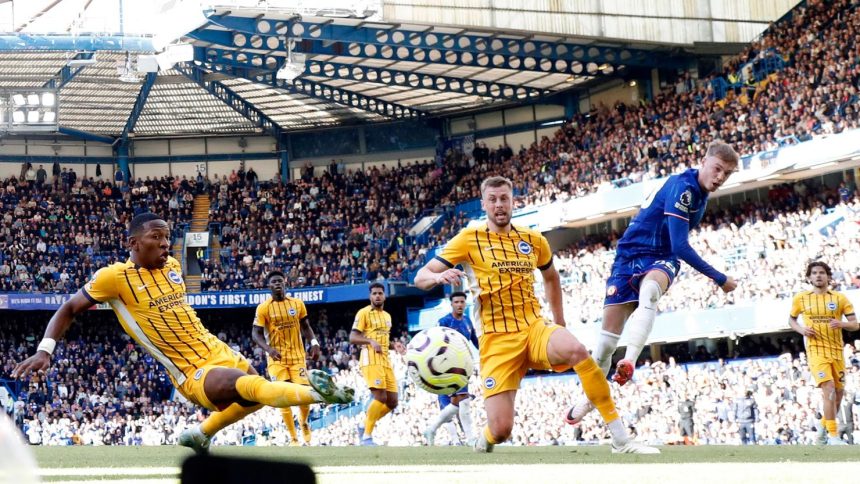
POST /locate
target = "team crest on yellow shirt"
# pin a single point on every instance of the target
(490, 382)
(174, 278)
(292, 312)
(831, 306)
(198, 374)
(611, 290)
(524, 247)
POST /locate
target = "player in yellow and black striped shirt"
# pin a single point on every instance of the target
(372, 331)
(147, 294)
(279, 324)
(823, 310)
(500, 260)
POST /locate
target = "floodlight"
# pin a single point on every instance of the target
(19, 99)
(33, 99)
(33, 116)
(49, 117)
(18, 116)
(48, 99)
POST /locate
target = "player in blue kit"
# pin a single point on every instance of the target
(647, 261)
(460, 401)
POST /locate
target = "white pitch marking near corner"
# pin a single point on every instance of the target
(175, 480)
(705, 473)
(108, 471)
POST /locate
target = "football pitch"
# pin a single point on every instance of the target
(523, 465)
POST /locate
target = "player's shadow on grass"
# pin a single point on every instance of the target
(235, 470)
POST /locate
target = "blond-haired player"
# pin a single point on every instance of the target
(648, 258)
(823, 310)
(500, 259)
(279, 324)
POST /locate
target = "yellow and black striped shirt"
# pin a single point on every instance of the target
(281, 321)
(150, 305)
(817, 311)
(501, 270)
(376, 325)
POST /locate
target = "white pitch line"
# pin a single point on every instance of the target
(109, 471)
(702, 473)
(121, 481)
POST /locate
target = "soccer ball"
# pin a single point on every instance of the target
(439, 360)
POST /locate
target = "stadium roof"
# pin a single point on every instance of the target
(333, 70)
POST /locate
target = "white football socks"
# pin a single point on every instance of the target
(639, 325)
(452, 432)
(466, 419)
(445, 415)
(607, 342)
(620, 437)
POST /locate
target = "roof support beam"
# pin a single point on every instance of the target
(379, 75)
(68, 73)
(231, 99)
(432, 56)
(139, 103)
(258, 31)
(84, 135)
(322, 91)
(307, 87)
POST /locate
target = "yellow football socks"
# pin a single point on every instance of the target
(830, 425)
(489, 435)
(375, 411)
(219, 420)
(278, 394)
(596, 388)
(304, 412)
(287, 413)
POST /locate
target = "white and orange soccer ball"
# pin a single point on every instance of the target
(439, 360)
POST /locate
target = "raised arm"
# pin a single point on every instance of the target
(60, 322)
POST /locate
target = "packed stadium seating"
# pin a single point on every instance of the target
(54, 235)
(351, 226)
(365, 215)
(766, 245)
(96, 401)
(614, 145)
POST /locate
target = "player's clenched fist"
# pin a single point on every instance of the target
(730, 284)
(449, 276)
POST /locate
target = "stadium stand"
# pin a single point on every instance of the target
(769, 243)
(54, 235)
(366, 214)
(351, 226)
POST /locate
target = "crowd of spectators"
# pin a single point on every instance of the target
(350, 225)
(56, 231)
(765, 245)
(342, 227)
(103, 390)
(816, 94)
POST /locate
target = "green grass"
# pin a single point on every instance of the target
(169, 456)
